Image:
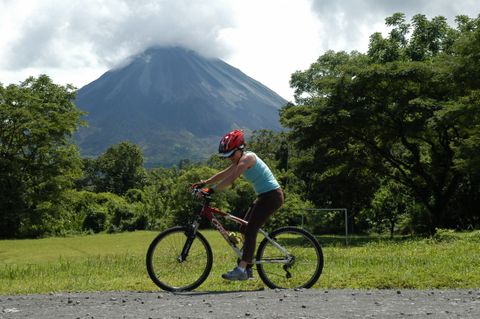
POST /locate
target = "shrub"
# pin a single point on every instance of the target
(95, 220)
(444, 235)
(134, 195)
(474, 236)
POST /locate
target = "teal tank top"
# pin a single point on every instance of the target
(260, 176)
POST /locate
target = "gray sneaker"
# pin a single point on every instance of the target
(235, 274)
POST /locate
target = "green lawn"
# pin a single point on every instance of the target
(117, 262)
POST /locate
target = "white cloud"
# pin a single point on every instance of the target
(273, 39)
(79, 33)
(348, 24)
(76, 41)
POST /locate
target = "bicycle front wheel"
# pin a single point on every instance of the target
(297, 263)
(177, 261)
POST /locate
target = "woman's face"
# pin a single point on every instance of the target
(235, 156)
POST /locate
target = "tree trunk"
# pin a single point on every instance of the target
(392, 227)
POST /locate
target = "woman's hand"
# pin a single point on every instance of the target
(199, 184)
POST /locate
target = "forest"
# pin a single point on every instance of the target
(391, 134)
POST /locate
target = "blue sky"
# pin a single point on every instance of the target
(76, 41)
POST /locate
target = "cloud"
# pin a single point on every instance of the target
(79, 33)
(351, 22)
(75, 41)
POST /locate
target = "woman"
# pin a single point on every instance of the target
(269, 194)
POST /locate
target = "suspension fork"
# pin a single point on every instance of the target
(191, 233)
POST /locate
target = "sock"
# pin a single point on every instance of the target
(241, 268)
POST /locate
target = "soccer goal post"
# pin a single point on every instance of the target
(343, 211)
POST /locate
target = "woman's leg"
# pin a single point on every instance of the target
(263, 208)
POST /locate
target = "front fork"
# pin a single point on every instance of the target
(190, 233)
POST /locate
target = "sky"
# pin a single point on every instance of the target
(76, 41)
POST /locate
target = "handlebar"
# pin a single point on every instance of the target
(202, 191)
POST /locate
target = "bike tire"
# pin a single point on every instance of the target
(308, 259)
(166, 269)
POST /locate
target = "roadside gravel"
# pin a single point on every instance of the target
(312, 303)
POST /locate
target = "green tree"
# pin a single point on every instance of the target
(119, 169)
(90, 177)
(390, 203)
(396, 111)
(158, 202)
(37, 159)
(331, 165)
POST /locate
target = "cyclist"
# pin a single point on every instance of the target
(269, 194)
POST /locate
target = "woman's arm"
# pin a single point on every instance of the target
(237, 170)
(220, 175)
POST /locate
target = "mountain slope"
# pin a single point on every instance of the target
(174, 103)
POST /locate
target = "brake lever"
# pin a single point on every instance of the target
(196, 190)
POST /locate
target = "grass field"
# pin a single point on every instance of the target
(117, 262)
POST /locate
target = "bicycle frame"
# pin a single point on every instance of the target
(209, 213)
(275, 265)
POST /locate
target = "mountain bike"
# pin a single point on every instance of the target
(180, 258)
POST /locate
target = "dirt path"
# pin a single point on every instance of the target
(248, 304)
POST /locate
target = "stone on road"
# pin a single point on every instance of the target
(311, 303)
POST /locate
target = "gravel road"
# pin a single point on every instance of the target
(311, 303)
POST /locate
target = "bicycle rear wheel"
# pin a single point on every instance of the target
(299, 267)
(177, 261)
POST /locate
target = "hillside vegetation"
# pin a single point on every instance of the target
(391, 135)
(174, 103)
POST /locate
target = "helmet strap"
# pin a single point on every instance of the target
(241, 150)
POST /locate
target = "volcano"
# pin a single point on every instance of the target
(175, 104)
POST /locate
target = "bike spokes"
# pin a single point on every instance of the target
(300, 267)
(176, 261)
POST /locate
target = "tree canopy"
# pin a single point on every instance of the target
(116, 171)
(37, 159)
(391, 134)
(406, 111)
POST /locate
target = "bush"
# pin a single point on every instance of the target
(134, 195)
(121, 218)
(95, 220)
(79, 211)
(474, 236)
(124, 219)
(444, 235)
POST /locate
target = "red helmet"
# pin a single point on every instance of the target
(231, 142)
